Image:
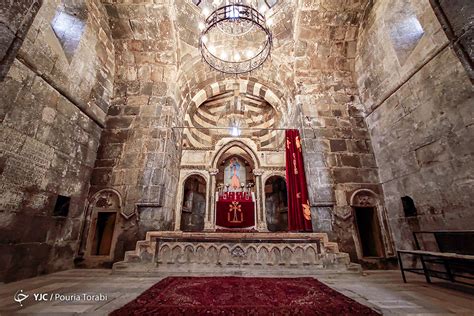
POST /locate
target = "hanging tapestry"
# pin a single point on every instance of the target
(299, 211)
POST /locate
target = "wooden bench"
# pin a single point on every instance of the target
(455, 252)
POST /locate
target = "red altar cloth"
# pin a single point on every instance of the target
(235, 210)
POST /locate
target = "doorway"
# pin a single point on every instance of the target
(193, 207)
(104, 232)
(276, 204)
(369, 231)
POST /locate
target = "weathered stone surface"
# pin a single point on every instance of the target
(47, 143)
(335, 137)
(15, 20)
(212, 252)
(382, 103)
(419, 115)
(137, 156)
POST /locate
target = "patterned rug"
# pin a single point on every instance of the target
(242, 296)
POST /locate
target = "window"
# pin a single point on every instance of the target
(61, 208)
(408, 206)
(68, 24)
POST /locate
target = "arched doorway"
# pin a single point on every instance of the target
(104, 207)
(193, 208)
(276, 204)
(367, 223)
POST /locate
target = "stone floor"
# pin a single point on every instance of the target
(381, 290)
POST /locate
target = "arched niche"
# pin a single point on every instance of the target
(235, 166)
(276, 203)
(193, 206)
(367, 220)
(247, 148)
(105, 207)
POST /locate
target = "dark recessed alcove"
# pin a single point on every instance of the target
(61, 208)
(409, 208)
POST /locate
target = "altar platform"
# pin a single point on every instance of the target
(253, 253)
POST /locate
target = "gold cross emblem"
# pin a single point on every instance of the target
(235, 211)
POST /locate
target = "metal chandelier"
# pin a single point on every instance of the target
(235, 39)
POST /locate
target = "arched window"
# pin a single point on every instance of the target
(68, 24)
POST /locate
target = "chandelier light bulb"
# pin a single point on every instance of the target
(237, 57)
(224, 55)
(201, 26)
(248, 53)
(206, 12)
(204, 39)
(263, 9)
(270, 22)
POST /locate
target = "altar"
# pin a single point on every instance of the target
(235, 210)
(236, 191)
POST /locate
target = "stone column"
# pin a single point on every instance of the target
(210, 216)
(261, 222)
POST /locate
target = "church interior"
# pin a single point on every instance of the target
(237, 157)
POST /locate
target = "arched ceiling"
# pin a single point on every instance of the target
(314, 48)
(233, 109)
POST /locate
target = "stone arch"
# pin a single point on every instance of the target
(235, 143)
(196, 75)
(276, 202)
(273, 173)
(275, 256)
(274, 98)
(203, 126)
(364, 197)
(193, 202)
(184, 175)
(165, 254)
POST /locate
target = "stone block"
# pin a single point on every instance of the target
(337, 145)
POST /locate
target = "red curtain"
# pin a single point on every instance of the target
(299, 211)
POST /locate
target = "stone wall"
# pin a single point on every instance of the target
(338, 153)
(139, 153)
(457, 20)
(15, 20)
(419, 109)
(49, 134)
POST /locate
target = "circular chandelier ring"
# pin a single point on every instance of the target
(228, 14)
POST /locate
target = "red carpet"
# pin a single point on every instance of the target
(242, 296)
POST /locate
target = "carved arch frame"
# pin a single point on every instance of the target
(184, 175)
(249, 147)
(267, 175)
(91, 221)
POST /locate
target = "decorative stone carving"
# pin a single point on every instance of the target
(363, 198)
(213, 171)
(238, 252)
(225, 253)
(258, 172)
(108, 199)
(211, 252)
